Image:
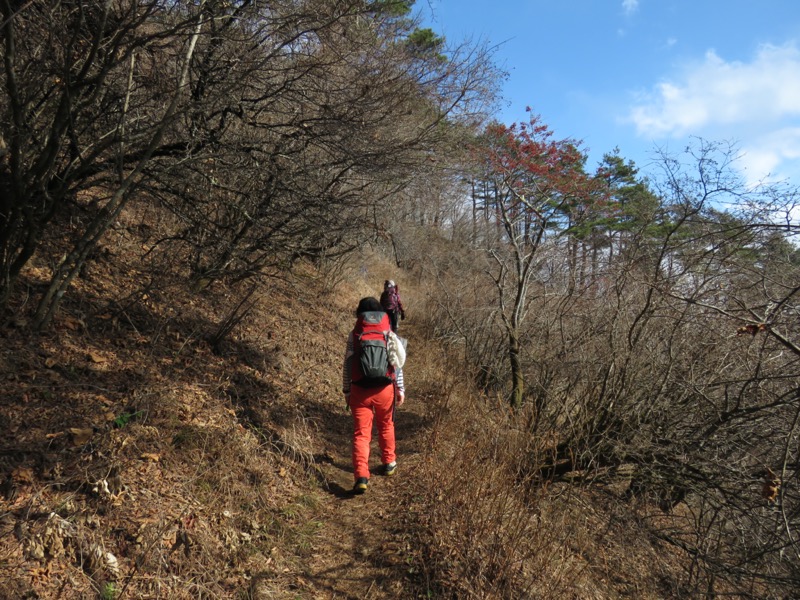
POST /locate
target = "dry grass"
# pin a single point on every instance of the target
(492, 533)
(188, 468)
(491, 529)
(140, 462)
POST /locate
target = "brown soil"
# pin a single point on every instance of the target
(142, 460)
(139, 461)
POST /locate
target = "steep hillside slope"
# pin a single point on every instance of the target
(161, 443)
(143, 458)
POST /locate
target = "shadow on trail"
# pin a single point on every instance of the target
(337, 490)
(409, 424)
(358, 566)
(334, 465)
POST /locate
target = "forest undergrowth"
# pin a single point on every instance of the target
(148, 456)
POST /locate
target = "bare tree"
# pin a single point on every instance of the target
(272, 131)
(533, 181)
(81, 116)
(673, 369)
(332, 128)
(688, 372)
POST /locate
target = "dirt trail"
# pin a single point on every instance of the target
(362, 551)
(245, 452)
(362, 548)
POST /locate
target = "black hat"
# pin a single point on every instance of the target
(368, 305)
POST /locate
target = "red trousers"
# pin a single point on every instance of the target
(367, 404)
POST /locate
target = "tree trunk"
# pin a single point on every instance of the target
(517, 380)
(68, 269)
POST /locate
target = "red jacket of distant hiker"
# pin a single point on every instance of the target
(390, 300)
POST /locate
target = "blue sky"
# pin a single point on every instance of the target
(641, 74)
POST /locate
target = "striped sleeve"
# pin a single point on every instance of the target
(400, 383)
(348, 355)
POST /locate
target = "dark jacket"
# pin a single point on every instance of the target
(391, 302)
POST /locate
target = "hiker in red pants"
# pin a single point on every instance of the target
(372, 382)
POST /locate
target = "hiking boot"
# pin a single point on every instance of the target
(389, 470)
(361, 485)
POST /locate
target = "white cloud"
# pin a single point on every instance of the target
(774, 154)
(713, 92)
(630, 6)
(755, 103)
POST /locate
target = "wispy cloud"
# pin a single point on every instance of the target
(769, 155)
(713, 92)
(630, 6)
(755, 103)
